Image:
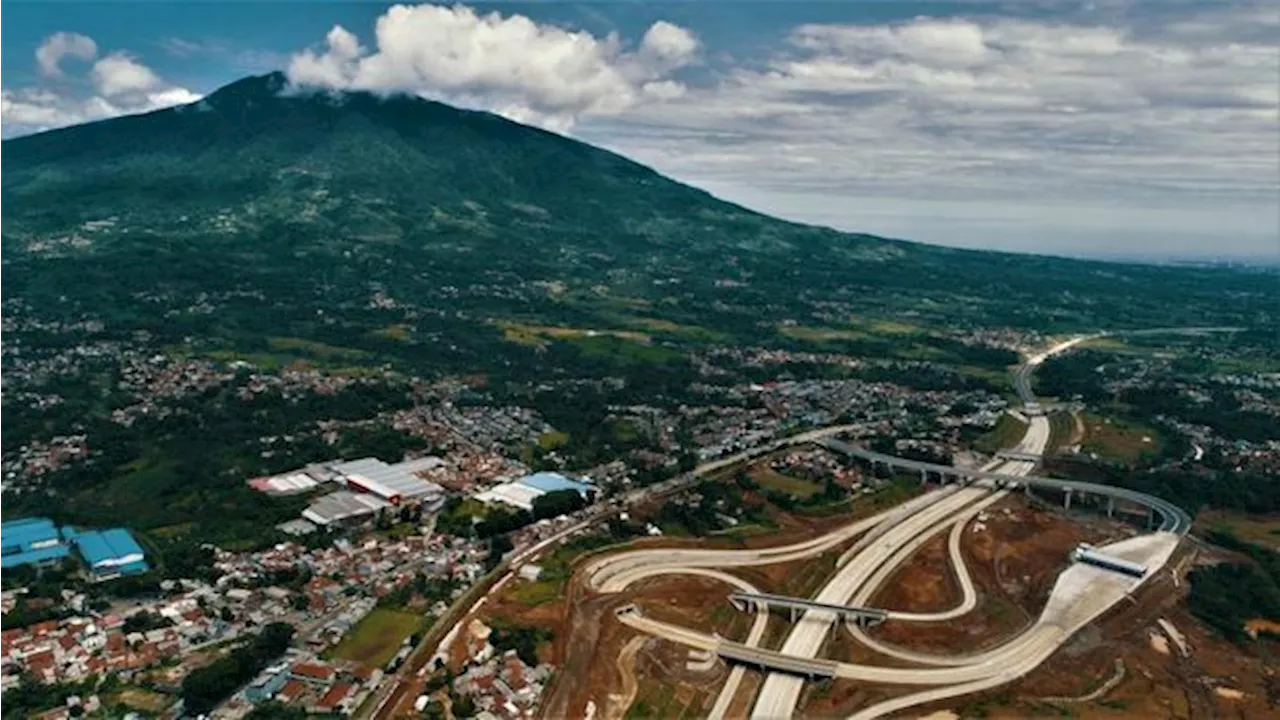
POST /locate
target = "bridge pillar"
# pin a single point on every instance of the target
(1066, 501)
(738, 605)
(924, 477)
(1111, 506)
(1151, 518)
(793, 614)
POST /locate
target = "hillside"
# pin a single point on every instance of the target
(307, 197)
(265, 279)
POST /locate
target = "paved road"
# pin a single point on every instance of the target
(381, 705)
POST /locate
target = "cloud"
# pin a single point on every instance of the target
(1143, 120)
(121, 85)
(226, 53)
(118, 74)
(63, 44)
(508, 63)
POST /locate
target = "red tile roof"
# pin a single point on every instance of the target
(291, 690)
(335, 696)
(311, 671)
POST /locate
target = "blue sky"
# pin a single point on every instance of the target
(1112, 128)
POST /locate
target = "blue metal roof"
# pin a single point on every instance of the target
(24, 522)
(550, 482)
(134, 568)
(12, 560)
(107, 545)
(17, 535)
(122, 542)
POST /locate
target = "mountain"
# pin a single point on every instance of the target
(321, 203)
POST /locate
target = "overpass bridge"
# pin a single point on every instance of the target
(1020, 456)
(775, 661)
(864, 616)
(1172, 518)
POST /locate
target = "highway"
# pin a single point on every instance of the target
(1173, 518)
(381, 705)
(883, 543)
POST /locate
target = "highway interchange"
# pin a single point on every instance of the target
(1082, 592)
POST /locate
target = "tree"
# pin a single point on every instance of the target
(205, 687)
(557, 503)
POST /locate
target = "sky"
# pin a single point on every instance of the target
(1127, 129)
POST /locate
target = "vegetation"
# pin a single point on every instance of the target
(1249, 492)
(29, 697)
(521, 638)
(295, 233)
(1227, 596)
(377, 637)
(797, 488)
(1126, 443)
(207, 686)
(1007, 432)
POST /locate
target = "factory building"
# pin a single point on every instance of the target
(522, 492)
(31, 541)
(394, 483)
(110, 553)
(344, 508)
(369, 486)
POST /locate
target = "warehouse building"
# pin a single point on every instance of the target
(396, 483)
(344, 508)
(282, 485)
(31, 541)
(110, 553)
(522, 492)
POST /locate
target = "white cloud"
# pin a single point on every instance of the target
(122, 85)
(118, 74)
(508, 63)
(63, 44)
(1142, 123)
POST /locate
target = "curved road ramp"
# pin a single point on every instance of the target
(873, 548)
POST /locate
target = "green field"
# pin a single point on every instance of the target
(795, 487)
(1007, 432)
(375, 639)
(1118, 441)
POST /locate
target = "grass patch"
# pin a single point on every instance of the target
(556, 569)
(739, 532)
(793, 486)
(1119, 441)
(376, 638)
(539, 592)
(898, 490)
(314, 348)
(1007, 433)
(624, 350)
(552, 439)
(661, 326)
(1062, 426)
(541, 335)
(398, 332)
(1258, 529)
(807, 333)
(143, 700)
(881, 326)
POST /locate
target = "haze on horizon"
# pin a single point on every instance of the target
(1104, 129)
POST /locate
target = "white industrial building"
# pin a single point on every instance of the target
(394, 483)
(373, 485)
(522, 492)
(343, 506)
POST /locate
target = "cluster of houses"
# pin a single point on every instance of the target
(76, 648)
(313, 685)
(500, 684)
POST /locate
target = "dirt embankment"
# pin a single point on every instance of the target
(925, 584)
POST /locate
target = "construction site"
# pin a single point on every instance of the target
(989, 591)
